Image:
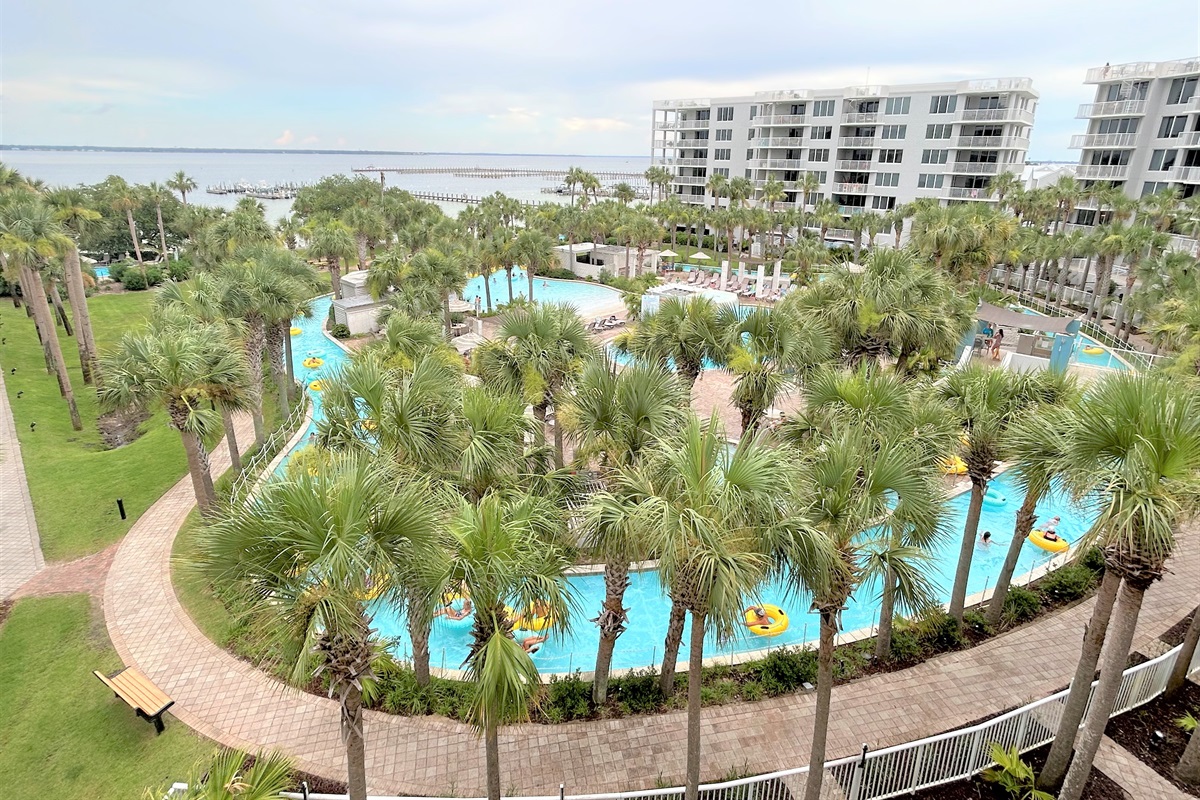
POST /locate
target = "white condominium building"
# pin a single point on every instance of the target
(869, 147)
(1143, 130)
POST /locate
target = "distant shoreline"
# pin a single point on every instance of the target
(283, 151)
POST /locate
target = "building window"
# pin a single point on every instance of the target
(1122, 125)
(989, 101)
(938, 131)
(891, 156)
(821, 132)
(725, 114)
(887, 179)
(1182, 90)
(753, 112)
(797, 109)
(894, 131)
(883, 203)
(721, 171)
(1110, 158)
(896, 106)
(943, 103)
(1162, 160)
(1170, 127)
(703, 114)
(929, 180)
(749, 153)
(1116, 91)
(751, 136)
(1153, 187)
(722, 154)
(823, 108)
(934, 156)
(749, 173)
(822, 175)
(819, 154)
(724, 134)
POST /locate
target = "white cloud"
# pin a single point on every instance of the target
(593, 124)
(285, 138)
(310, 139)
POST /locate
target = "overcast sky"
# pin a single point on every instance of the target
(526, 76)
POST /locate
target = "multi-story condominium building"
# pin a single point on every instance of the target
(868, 147)
(1143, 131)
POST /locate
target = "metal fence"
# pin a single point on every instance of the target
(254, 465)
(906, 768)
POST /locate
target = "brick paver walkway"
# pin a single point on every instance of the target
(228, 700)
(83, 575)
(20, 549)
(1133, 774)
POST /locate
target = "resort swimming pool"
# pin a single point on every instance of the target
(101, 272)
(641, 645)
(589, 299)
(624, 359)
(1102, 360)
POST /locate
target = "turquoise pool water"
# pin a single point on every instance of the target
(1104, 360)
(624, 359)
(101, 272)
(641, 645)
(588, 298)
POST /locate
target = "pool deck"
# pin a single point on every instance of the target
(229, 700)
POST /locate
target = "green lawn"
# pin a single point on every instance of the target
(63, 734)
(210, 614)
(73, 480)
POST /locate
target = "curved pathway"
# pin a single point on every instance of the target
(230, 701)
(20, 548)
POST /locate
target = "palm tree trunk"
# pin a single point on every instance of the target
(137, 248)
(666, 677)
(887, 612)
(356, 745)
(275, 339)
(361, 241)
(446, 322)
(539, 435)
(1021, 531)
(77, 297)
(235, 455)
(59, 311)
(418, 633)
(162, 233)
(255, 343)
(1188, 769)
(1087, 270)
(529, 275)
(611, 622)
(197, 460)
(558, 440)
(508, 276)
(335, 277)
(1179, 673)
(1059, 757)
(1096, 307)
(816, 758)
(958, 595)
(492, 753)
(25, 279)
(287, 360)
(1112, 668)
(487, 289)
(42, 308)
(695, 679)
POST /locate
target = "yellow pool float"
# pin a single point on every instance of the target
(313, 362)
(316, 386)
(777, 616)
(1052, 545)
(297, 331)
(953, 465)
(532, 621)
(1092, 350)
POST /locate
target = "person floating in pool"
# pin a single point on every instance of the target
(532, 644)
(450, 612)
(545, 284)
(986, 539)
(1050, 530)
(760, 616)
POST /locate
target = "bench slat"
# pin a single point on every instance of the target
(136, 689)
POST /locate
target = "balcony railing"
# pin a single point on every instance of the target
(780, 141)
(995, 115)
(695, 102)
(1185, 244)
(689, 180)
(993, 142)
(856, 141)
(690, 144)
(1186, 174)
(855, 166)
(962, 193)
(860, 117)
(1194, 104)
(781, 163)
(1120, 72)
(1113, 108)
(681, 124)
(850, 188)
(1090, 140)
(681, 162)
(850, 211)
(1189, 139)
(1102, 172)
(1000, 85)
(781, 119)
(974, 168)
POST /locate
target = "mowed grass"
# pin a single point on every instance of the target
(64, 735)
(73, 480)
(194, 592)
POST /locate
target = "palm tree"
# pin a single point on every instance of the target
(289, 230)
(624, 193)
(305, 555)
(1066, 193)
(1004, 185)
(807, 252)
(808, 185)
(590, 183)
(685, 333)
(716, 186)
(1136, 441)
(536, 251)
(158, 194)
(77, 218)
(574, 178)
(444, 272)
(181, 183)
(184, 369)
(334, 242)
(1141, 241)
(503, 551)
(643, 233)
(124, 199)
(368, 228)
(224, 776)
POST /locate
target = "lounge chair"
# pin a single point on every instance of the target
(693, 278)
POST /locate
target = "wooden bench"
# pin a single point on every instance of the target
(142, 696)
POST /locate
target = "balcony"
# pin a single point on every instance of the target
(995, 115)
(1189, 139)
(850, 211)
(1000, 85)
(993, 143)
(681, 124)
(690, 144)
(1113, 108)
(860, 117)
(850, 188)
(1089, 140)
(1186, 174)
(1121, 72)
(783, 141)
(780, 119)
(1102, 172)
(681, 162)
(1193, 105)
(961, 193)
(1182, 67)
(856, 141)
(975, 167)
(855, 166)
(695, 102)
(1184, 244)
(689, 180)
(781, 163)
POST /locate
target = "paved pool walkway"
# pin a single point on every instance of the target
(20, 548)
(230, 701)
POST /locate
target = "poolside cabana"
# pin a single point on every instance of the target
(1037, 341)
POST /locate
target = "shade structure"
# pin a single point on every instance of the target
(467, 342)
(460, 306)
(701, 256)
(668, 254)
(1007, 318)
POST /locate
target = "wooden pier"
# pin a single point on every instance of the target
(494, 172)
(458, 197)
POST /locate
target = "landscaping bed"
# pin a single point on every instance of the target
(1098, 787)
(1135, 731)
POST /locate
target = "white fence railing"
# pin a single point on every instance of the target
(270, 448)
(903, 769)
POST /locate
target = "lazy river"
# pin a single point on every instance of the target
(641, 644)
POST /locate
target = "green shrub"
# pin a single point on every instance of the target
(567, 699)
(1093, 559)
(786, 670)
(905, 645)
(401, 694)
(752, 690)
(1021, 605)
(134, 281)
(975, 620)
(117, 269)
(717, 692)
(340, 331)
(637, 693)
(1067, 583)
(154, 276)
(940, 632)
(850, 661)
(180, 270)
(558, 273)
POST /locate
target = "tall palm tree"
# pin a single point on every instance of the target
(535, 250)
(685, 333)
(334, 243)
(1005, 185)
(624, 193)
(1136, 442)
(1141, 241)
(643, 233)
(181, 183)
(574, 178)
(158, 194)
(716, 186)
(368, 228)
(123, 199)
(183, 369)
(77, 218)
(444, 272)
(503, 551)
(305, 555)
(224, 776)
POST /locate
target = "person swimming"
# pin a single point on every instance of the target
(986, 539)
(1050, 530)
